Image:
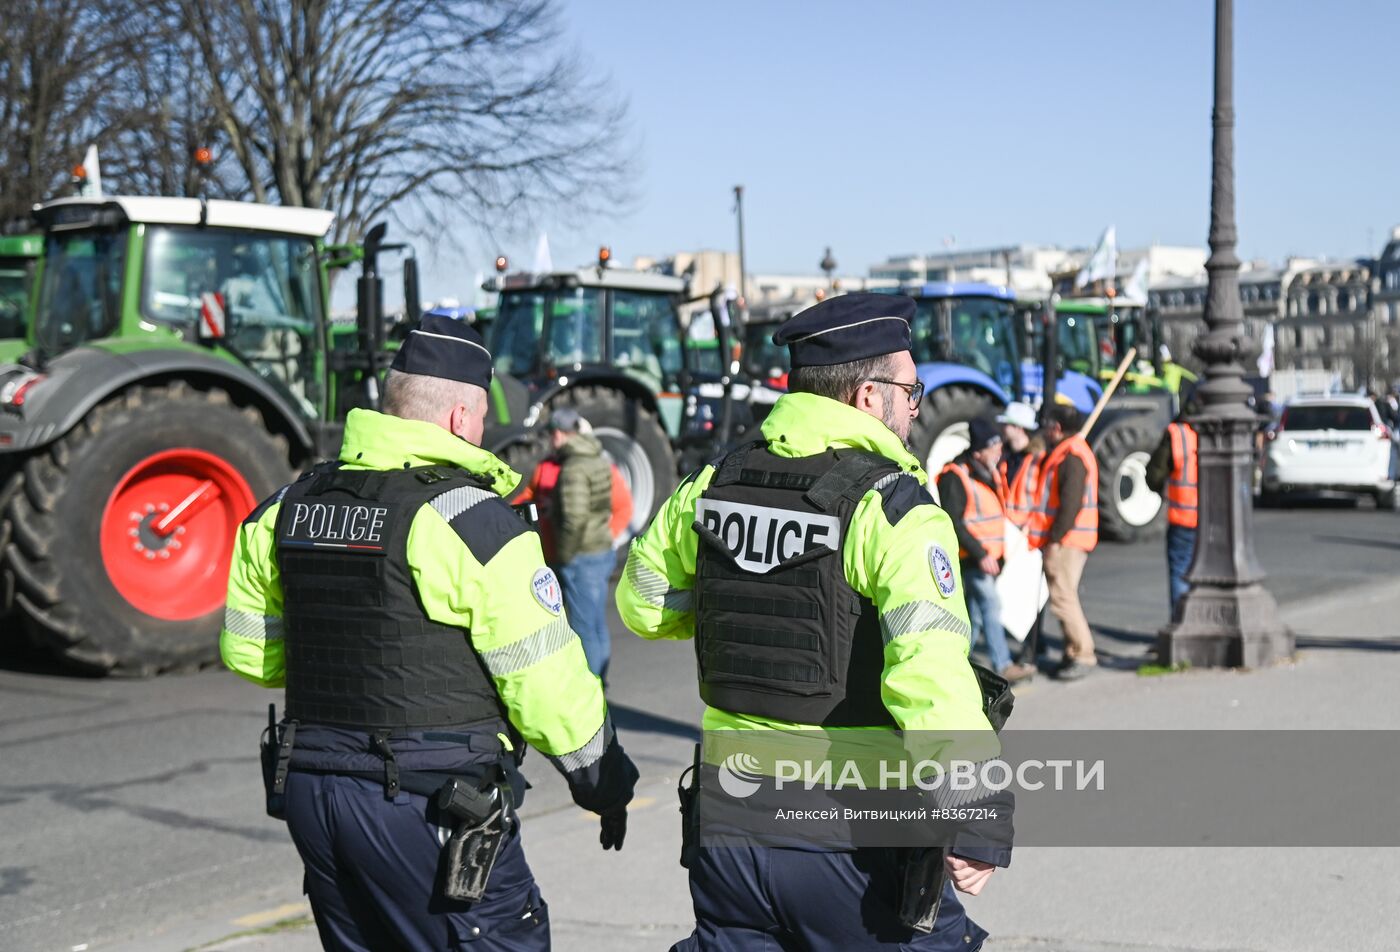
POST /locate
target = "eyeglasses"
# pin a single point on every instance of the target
(915, 390)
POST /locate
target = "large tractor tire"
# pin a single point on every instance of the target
(940, 432)
(1128, 510)
(10, 479)
(633, 437)
(122, 530)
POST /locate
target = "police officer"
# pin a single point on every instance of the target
(422, 642)
(1174, 468)
(827, 515)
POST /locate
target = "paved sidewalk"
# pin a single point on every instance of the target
(1055, 900)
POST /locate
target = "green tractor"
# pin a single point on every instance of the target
(19, 256)
(1132, 325)
(764, 361)
(766, 366)
(180, 370)
(612, 344)
(1132, 421)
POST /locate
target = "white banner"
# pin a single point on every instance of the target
(1020, 586)
(1103, 263)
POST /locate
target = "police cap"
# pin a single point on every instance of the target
(848, 328)
(442, 347)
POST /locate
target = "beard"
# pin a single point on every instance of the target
(896, 421)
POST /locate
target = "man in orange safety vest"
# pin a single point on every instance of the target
(973, 493)
(1065, 527)
(1174, 468)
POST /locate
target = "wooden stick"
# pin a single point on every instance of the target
(1108, 391)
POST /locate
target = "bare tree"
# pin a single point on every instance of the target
(58, 61)
(370, 108)
(115, 73)
(159, 115)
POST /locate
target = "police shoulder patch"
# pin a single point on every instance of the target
(942, 568)
(547, 591)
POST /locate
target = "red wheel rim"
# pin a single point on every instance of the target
(168, 529)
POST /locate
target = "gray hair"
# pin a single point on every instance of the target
(839, 381)
(420, 397)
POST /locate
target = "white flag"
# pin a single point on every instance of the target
(92, 179)
(1135, 292)
(1266, 352)
(1104, 261)
(543, 262)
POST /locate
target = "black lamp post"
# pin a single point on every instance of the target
(828, 265)
(743, 275)
(1228, 618)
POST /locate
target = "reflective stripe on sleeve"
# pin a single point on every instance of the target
(252, 626)
(652, 587)
(587, 755)
(454, 502)
(921, 616)
(946, 798)
(533, 648)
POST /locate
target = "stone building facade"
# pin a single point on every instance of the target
(1385, 311)
(1327, 324)
(1181, 303)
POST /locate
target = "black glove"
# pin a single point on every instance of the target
(613, 829)
(606, 783)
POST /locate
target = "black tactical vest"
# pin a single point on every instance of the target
(780, 633)
(360, 652)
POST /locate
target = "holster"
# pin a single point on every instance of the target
(922, 877)
(483, 818)
(689, 795)
(276, 755)
(923, 872)
(471, 854)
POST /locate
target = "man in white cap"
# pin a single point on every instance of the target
(1023, 451)
(1020, 460)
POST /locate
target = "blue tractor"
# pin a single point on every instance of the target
(972, 358)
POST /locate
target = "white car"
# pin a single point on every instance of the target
(1334, 444)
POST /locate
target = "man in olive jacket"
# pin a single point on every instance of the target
(580, 513)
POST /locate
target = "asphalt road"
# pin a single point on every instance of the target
(131, 811)
(1308, 552)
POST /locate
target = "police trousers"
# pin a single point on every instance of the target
(372, 871)
(756, 898)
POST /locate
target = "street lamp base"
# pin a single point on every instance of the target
(1235, 627)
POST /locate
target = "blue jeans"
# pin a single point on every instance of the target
(984, 609)
(585, 582)
(1181, 546)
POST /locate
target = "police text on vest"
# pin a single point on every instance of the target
(337, 524)
(761, 538)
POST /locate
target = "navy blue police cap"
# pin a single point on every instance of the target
(848, 328)
(443, 347)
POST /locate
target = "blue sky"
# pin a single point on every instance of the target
(881, 128)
